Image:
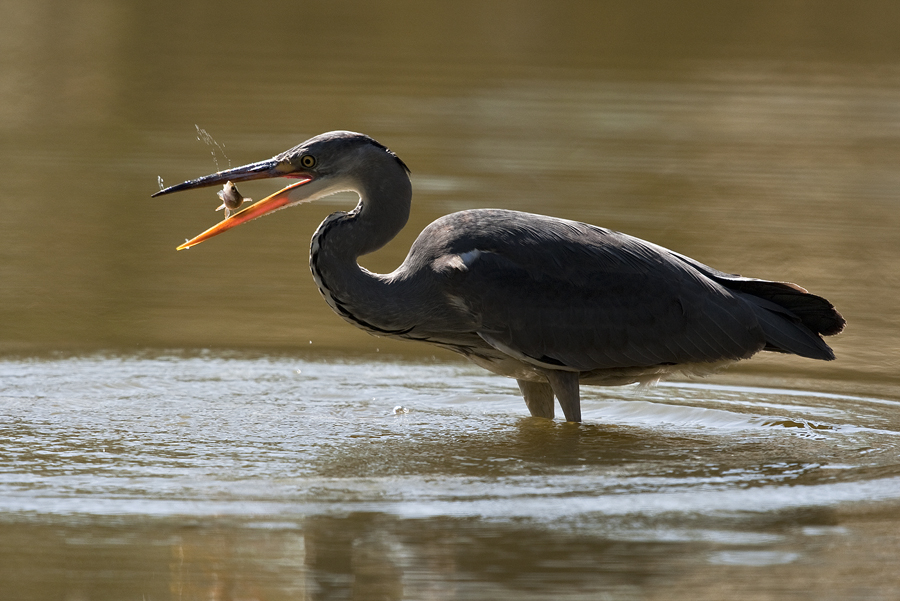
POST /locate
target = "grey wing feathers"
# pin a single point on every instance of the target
(574, 295)
(617, 320)
(815, 312)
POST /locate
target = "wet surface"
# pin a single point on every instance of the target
(200, 425)
(270, 477)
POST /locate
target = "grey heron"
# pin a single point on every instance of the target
(550, 302)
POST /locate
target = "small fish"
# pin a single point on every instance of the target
(231, 199)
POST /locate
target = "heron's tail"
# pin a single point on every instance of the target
(792, 319)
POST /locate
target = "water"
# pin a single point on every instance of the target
(283, 476)
(199, 425)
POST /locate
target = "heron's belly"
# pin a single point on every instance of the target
(505, 365)
(510, 367)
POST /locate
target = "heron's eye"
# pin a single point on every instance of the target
(308, 161)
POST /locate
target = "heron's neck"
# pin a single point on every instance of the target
(355, 293)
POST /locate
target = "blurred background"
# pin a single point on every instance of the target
(762, 138)
(169, 428)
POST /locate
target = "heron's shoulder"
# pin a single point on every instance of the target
(501, 225)
(514, 233)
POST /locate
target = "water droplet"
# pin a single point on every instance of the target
(207, 139)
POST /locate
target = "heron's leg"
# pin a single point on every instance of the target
(538, 397)
(565, 387)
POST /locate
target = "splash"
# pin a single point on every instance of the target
(207, 139)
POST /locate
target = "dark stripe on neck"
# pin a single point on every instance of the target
(340, 306)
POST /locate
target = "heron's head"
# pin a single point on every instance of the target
(323, 165)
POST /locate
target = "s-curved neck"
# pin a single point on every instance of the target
(367, 299)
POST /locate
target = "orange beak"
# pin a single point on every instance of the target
(275, 167)
(276, 201)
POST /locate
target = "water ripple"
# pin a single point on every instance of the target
(211, 434)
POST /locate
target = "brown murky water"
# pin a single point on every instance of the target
(199, 425)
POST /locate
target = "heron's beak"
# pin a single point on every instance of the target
(270, 168)
(276, 201)
(261, 170)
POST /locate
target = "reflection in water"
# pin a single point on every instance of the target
(197, 477)
(375, 556)
(760, 138)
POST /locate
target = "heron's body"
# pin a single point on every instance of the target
(550, 302)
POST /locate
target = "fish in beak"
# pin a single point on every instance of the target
(279, 166)
(231, 198)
